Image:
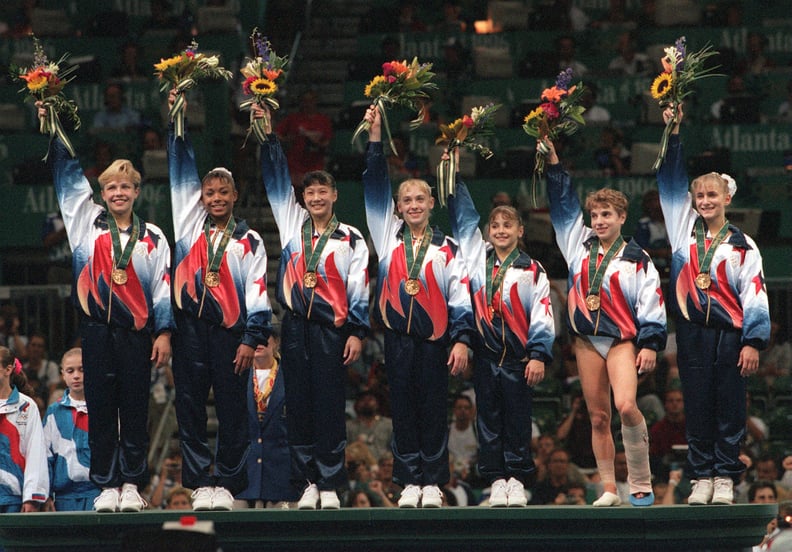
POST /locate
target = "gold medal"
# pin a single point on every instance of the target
(119, 276)
(593, 302)
(309, 280)
(212, 279)
(703, 281)
(412, 286)
(492, 312)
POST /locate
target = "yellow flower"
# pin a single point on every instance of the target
(263, 87)
(379, 79)
(166, 63)
(36, 80)
(661, 86)
(533, 114)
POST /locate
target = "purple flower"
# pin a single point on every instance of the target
(564, 79)
(680, 48)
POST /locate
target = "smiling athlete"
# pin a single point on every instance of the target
(615, 311)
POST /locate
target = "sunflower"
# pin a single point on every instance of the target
(379, 79)
(36, 80)
(166, 63)
(661, 86)
(263, 87)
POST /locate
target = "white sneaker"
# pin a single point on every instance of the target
(329, 500)
(702, 491)
(431, 497)
(607, 499)
(108, 500)
(222, 499)
(498, 498)
(515, 492)
(131, 501)
(723, 491)
(309, 498)
(410, 497)
(202, 498)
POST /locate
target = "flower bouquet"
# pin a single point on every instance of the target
(44, 82)
(261, 73)
(400, 84)
(182, 72)
(680, 70)
(465, 132)
(559, 114)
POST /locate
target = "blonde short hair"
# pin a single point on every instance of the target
(75, 351)
(421, 184)
(119, 167)
(607, 196)
(721, 182)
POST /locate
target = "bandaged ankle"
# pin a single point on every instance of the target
(636, 449)
(606, 471)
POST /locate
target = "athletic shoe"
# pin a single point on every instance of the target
(222, 499)
(329, 500)
(202, 498)
(515, 491)
(431, 496)
(108, 500)
(723, 491)
(702, 491)
(607, 499)
(410, 497)
(498, 497)
(309, 498)
(131, 501)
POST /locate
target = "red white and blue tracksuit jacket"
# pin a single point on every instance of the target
(341, 295)
(240, 303)
(144, 301)
(737, 295)
(523, 328)
(442, 309)
(631, 297)
(23, 457)
(68, 453)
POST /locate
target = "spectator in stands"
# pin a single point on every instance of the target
(766, 469)
(574, 495)
(785, 108)
(595, 114)
(385, 477)
(456, 66)
(409, 20)
(162, 16)
(776, 360)
(566, 49)
(169, 478)
(360, 498)
(762, 492)
(629, 61)
(457, 491)
(152, 140)
(53, 236)
(557, 480)
(755, 61)
(402, 164)
(178, 498)
(66, 440)
(369, 426)
(462, 439)
(756, 430)
(24, 468)
(575, 432)
(612, 156)
(452, 22)
(558, 15)
(615, 18)
(11, 331)
(116, 116)
(651, 232)
(130, 67)
(37, 363)
(102, 158)
(779, 535)
(124, 328)
(305, 134)
(737, 106)
(670, 430)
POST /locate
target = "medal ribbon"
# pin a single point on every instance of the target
(705, 254)
(121, 258)
(597, 273)
(214, 258)
(263, 394)
(495, 283)
(313, 254)
(414, 263)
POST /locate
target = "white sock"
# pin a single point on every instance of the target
(636, 449)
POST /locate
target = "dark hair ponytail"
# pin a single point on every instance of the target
(18, 378)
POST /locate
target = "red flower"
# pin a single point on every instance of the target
(550, 110)
(247, 83)
(467, 121)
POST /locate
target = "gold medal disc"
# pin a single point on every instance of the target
(703, 281)
(212, 279)
(412, 286)
(593, 302)
(119, 276)
(309, 280)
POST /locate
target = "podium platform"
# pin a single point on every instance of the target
(564, 528)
